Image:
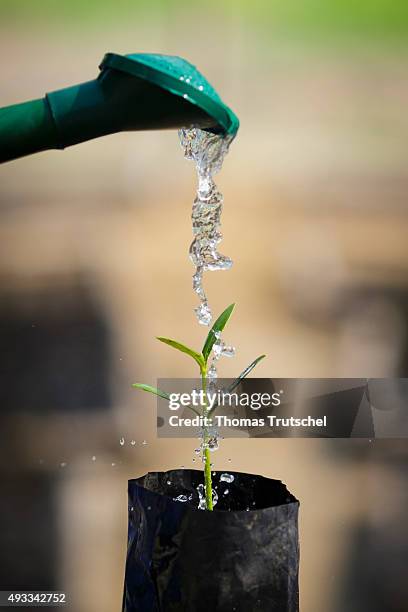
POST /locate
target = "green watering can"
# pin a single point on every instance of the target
(132, 92)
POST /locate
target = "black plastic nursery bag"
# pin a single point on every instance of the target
(243, 556)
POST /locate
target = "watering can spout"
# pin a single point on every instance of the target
(132, 92)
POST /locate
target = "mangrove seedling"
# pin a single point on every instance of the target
(202, 361)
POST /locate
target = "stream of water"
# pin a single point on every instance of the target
(207, 151)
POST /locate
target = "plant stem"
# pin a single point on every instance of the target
(206, 451)
(208, 480)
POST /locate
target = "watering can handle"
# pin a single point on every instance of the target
(114, 102)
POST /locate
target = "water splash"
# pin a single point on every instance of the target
(180, 498)
(212, 443)
(227, 478)
(209, 438)
(201, 497)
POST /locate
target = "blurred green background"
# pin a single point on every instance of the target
(94, 265)
(314, 20)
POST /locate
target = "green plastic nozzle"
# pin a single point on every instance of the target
(132, 92)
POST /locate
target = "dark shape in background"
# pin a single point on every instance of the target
(55, 353)
(54, 361)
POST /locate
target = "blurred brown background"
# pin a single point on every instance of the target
(94, 265)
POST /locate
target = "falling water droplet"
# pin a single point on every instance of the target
(226, 491)
(122, 441)
(227, 478)
(218, 348)
(113, 464)
(201, 497)
(212, 444)
(197, 282)
(228, 351)
(144, 443)
(93, 458)
(133, 442)
(203, 313)
(212, 372)
(180, 498)
(63, 464)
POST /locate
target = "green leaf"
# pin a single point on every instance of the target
(159, 393)
(150, 389)
(243, 375)
(217, 327)
(184, 349)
